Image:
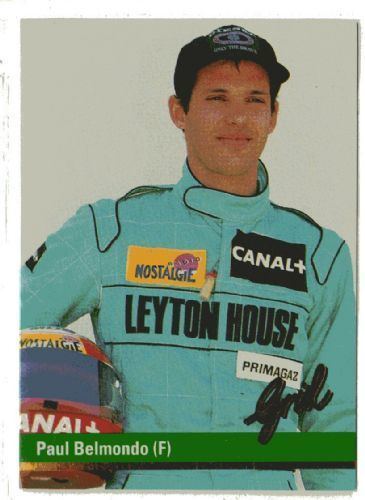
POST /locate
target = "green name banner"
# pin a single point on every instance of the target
(291, 447)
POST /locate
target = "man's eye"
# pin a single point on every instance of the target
(258, 100)
(217, 98)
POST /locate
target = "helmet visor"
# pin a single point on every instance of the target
(62, 375)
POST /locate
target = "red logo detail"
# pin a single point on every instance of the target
(186, 261)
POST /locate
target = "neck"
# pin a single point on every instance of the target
(243, 185)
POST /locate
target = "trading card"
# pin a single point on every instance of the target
(189, 216)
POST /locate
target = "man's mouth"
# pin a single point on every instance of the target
(234, 139)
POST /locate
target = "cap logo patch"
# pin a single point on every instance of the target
(233, 37)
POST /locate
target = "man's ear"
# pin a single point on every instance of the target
(177, 112)
(274, 117)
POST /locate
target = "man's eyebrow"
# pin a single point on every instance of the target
(218, 90)
(252, 92)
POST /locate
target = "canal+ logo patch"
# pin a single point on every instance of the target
(265, 260)
(166, 266)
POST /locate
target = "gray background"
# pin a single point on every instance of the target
(95, 121)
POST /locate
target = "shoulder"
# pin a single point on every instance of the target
(323, 245)
(107, 213)
(302, 224)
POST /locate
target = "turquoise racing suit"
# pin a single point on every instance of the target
(282, 303)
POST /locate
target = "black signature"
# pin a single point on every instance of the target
(270, 407)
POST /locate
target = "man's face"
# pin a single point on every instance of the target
(229, 117)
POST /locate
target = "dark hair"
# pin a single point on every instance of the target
(187, 84)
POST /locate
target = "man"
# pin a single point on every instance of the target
(205, 292)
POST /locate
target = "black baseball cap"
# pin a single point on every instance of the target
(225, 43)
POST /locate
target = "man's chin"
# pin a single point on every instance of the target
(234, 167)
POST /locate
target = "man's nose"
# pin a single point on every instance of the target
(237, 114)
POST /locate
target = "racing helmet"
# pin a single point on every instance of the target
(67, 385)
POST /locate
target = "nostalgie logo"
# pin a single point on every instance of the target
(166, 266)
(51, 340)
(261, 259)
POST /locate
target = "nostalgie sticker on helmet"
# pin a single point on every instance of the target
(67, 385)
(61, 339)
